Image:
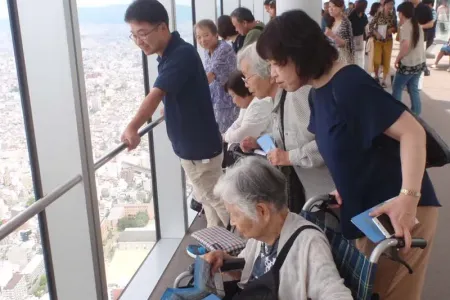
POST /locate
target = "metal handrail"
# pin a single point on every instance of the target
(41, 204)
(102, 161)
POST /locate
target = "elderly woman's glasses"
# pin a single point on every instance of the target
(142, 36)
(246, 79)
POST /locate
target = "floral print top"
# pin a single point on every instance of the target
(222, 62)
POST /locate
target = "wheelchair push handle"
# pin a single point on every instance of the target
(232, 264)
(415, 243)
(321, 200)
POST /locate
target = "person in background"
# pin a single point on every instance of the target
(220, 61)
(296, 148)
(445, 50)
(370, 43)
(381, 28)
(341, 32)
(351, 7)
(376, 7)
(254, 117)
(410, 61)
(228, 33)
(424, 16)
(271, 8)
(443, 16)
(189, 116)
(430, 33)
(359, 21)
(325, 15)
(368, 141)
(245, 23)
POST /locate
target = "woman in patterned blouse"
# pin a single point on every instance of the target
(381, 28)
(340, 32)
(220, 61)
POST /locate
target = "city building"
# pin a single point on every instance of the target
(16, 288)
(34, 269)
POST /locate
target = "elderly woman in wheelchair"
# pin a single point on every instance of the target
(281, 244)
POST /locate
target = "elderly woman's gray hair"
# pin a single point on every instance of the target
(250, 181)
(258, 65)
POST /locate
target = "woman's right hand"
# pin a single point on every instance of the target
(215, 259)
(248, 144)
(335, 193)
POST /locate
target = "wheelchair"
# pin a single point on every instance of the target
(355, 268)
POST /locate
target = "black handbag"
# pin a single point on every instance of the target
(438, 152)
(295, 189)
(266, 286)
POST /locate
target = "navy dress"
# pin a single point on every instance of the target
(349, 116)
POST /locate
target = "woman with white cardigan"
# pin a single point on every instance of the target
(254, 116)
(297, 146)
(254, 194)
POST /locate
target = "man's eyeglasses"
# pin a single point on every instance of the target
(246, 79)
(136, 37)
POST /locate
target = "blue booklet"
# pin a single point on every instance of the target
(376, 229)
(365, 223)
(206, 286)
(266, 143)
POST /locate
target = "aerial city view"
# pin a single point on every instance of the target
(115, 87)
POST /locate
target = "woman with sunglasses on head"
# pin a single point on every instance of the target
(374, 148)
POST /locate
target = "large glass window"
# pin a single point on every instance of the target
(183, 13)
(22, 269)
(115, 89)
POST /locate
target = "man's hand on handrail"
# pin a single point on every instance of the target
(130, 137)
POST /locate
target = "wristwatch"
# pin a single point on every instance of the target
(410, 193)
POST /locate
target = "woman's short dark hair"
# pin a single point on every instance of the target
(270, 3)
(150, 11)
(374, 8)
(206, 23)
(309, 48)
(361, 6)
(225, 27)
(242, 14)
(338, 3)
(237, 84)
(388, 1)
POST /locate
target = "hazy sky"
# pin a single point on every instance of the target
(84, 3)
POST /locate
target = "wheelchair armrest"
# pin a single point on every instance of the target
(233, 264)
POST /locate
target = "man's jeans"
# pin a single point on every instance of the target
(411, 81)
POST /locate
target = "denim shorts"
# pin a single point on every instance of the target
(446, 49)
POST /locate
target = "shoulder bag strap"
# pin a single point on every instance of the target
(281, 104)
(285, 250)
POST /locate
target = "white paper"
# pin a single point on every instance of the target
(382, 30)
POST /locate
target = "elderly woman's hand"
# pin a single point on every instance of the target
(402, 212)
(248, 144)
(279, 157)
(215, 259)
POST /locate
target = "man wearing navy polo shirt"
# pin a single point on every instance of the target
(183, 87)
